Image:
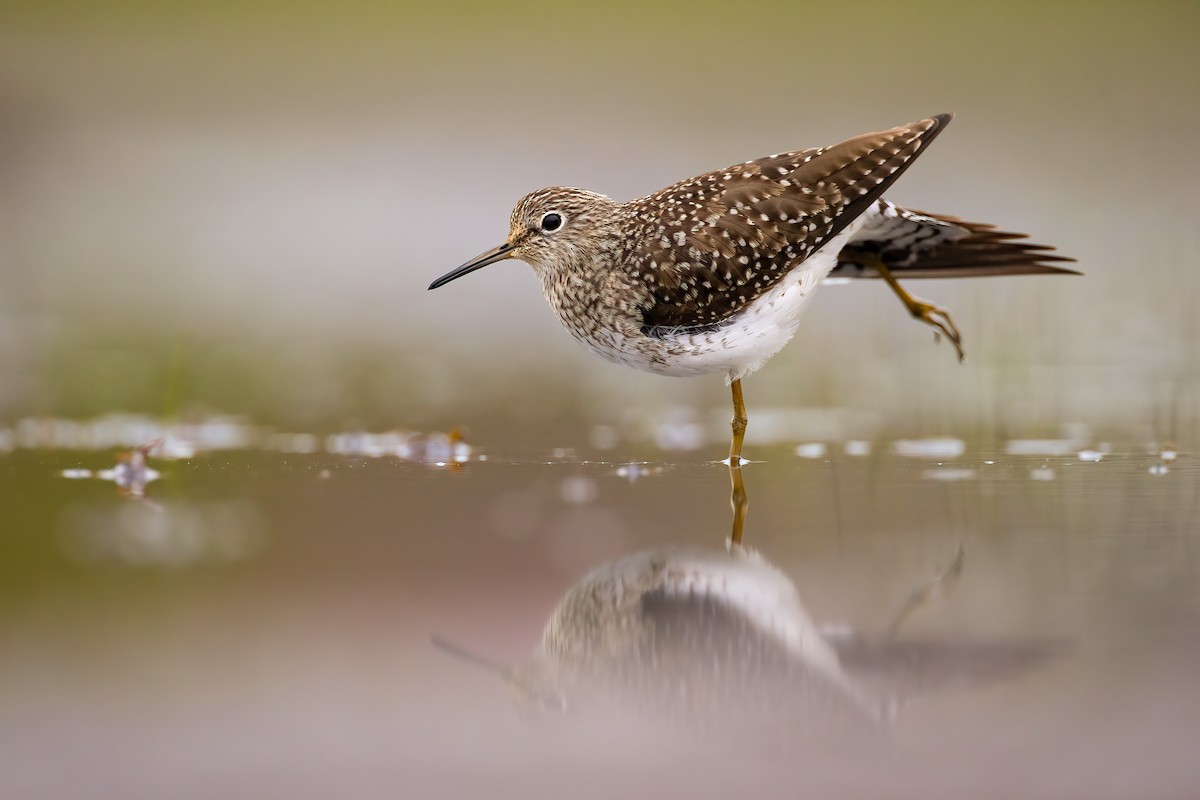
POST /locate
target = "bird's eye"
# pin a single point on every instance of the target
(552, 222)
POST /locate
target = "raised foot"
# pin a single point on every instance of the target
(939, 319)
(936, 317)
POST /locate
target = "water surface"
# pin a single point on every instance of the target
(261, 622)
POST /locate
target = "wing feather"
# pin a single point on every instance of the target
(919, 244)
(709, 246)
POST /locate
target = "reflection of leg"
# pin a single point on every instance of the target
(738, 424)
(935, 316)
(738, 501)
(936, 589)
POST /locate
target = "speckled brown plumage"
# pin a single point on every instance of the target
(708, 246)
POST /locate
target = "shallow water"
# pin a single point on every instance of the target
(263, 623)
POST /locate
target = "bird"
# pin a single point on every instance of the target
(711, 274)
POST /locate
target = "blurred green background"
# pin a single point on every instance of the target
(236, 207)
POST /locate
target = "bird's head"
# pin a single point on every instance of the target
(551, 230)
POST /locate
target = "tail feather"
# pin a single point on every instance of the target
(917, 244)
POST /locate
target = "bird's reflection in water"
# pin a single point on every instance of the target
(718, 638)
(698, 635)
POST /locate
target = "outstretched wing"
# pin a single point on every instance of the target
(708, 246)
(917, 244)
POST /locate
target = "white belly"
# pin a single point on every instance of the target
(746, 342)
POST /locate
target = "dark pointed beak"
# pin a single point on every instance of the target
(482, 260)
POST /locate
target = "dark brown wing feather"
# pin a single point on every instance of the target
(923, 245)
(708, 246)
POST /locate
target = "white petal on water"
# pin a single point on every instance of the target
(857, 447)
(932, 447)
(811, 450)
(1039, 447)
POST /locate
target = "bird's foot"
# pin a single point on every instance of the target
(939, 319)
(932, 315)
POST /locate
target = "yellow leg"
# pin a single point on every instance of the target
(935, 316)
(737, 499)
(738, 424)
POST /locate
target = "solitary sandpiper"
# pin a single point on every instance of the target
(711, 274)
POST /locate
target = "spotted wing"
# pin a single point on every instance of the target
(708, 246)
(917, 244)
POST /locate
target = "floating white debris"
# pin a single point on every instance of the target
(1039, 447)
(130, 476)
(172, 448)
(215, 433)
(1090, 455)
(436, 449)
(811, 450)
(1159, 469)
(857, 447)
(440, 447)
(1041, 474)
(179, 440)
(632, 472)
(948, 474)
(371, 445)
(1168, 455)
(933, 447)
(186, 440)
